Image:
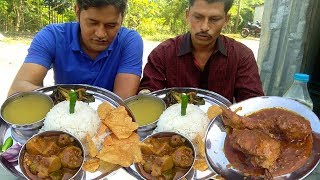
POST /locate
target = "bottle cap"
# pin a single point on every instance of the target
(301, 77)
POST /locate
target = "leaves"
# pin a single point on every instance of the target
(148, 17)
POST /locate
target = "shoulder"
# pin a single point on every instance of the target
(234, 46)
(63, 30)
(61, 27)
(125, 33)
(171, 43)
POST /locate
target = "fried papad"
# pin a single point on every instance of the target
(200, 164)
(91, 164)
(120, 123)
(120, 145)
(104, 109)
(121, 151)
(213, 111)
(93, 151)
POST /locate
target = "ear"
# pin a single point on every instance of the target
(227, 19)
(187, 13)
(77, 12)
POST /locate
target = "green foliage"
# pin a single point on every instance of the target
(166, 18)
(247, 11)
(155, 19)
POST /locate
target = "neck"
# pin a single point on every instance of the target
(92, 54)
(204, 48)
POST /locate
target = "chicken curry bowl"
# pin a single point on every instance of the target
(270, 142)
(51, 155)
(166, 155)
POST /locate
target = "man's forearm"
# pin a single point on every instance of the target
(22, 86)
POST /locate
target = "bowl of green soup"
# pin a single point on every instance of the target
(26, 110)
(146, 110)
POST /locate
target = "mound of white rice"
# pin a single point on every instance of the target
(195, 121)
(84, 119)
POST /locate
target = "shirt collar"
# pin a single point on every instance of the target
(186, 45)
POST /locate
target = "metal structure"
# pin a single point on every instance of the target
(290, 43)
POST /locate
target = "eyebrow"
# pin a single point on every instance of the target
(94, 20)
(90, 19)
(215, 16)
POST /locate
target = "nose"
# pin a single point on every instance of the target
(101, 32)
(205, 25)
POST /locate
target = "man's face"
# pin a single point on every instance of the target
(99, 26)
(206, 21)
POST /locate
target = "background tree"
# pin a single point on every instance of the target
(158, 19)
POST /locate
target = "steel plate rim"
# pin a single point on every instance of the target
(221, 99)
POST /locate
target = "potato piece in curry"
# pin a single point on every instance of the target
(52, 157)
(168, 157)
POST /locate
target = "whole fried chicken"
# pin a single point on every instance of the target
(261, 149)
(291, 127)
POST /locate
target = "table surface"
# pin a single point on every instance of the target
(5, 175)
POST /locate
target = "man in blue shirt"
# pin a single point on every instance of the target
(96, 50)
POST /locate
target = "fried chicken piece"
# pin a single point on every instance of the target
(291, 127)
(261, 149)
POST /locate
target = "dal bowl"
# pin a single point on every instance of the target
(54, 153)
(146, 110)
(26, 110)
(169, 154)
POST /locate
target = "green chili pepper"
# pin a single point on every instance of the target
(184, 104)
(7, 144)
(73, 99)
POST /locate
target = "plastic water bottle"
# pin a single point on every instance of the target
(299, 91)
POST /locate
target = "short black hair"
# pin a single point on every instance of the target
(120, 5)
(227, 3)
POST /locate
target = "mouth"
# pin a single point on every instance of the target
(100, 42)
(203, 36)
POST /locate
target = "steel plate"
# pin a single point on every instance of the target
(216, 135)
(210, 98)
(100, 95)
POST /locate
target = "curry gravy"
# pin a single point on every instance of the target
(293, 154)
(27, 109)
(146, 110)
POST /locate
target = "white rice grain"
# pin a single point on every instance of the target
(195, 121)
(84, 119)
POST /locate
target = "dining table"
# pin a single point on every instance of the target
(122, 174)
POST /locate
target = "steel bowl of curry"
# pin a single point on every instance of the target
(146, 110)
(26, 110)
(166, 155)
(52, 155)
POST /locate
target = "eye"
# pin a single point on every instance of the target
(197, 17)
(92, 23)
(111, 25)
(213, 20)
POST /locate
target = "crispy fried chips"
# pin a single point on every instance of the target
(200, 163)
(121, 146)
